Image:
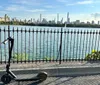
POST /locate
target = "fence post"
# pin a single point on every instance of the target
(9, 42)
(61, 45)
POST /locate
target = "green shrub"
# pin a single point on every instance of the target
(95, 55)
(20, 57)
(48, 58)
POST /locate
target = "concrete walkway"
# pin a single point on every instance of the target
(79, 80)
(58, 73)
(70, 64)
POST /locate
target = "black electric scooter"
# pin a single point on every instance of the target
(6, 78)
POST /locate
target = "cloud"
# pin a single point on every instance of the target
(26, 2)
(49, 6)
(36, 10)
(0, 6)
(4, 12)
(95, 15)
(85, 2)
(63, 1)
(15, 8)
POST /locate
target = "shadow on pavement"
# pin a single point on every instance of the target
(35, 83)
(1, 83)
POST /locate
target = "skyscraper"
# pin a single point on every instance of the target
(57, 18)
(68, 19)
(5, 17)
(40, 18)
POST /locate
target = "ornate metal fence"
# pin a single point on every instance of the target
(46, 45)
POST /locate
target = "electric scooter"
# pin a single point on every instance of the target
(6, 78)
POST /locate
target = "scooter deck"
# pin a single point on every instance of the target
(27, 79)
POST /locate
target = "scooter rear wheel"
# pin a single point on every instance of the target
(42, 76)
(6, 79)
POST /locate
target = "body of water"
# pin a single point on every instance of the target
(42, 44)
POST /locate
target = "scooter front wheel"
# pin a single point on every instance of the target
(6, 79)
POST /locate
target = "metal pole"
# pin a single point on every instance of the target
(9, 43)
(61, 45)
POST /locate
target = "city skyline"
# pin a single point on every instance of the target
(83, 10)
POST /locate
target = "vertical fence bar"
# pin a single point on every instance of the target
(47, 45)
(25, 45)
(21, 44)
(50, 44)
(40, 58)
(77, 47)
(64, 54)
(71, 32)
(57, 45)
(33, 44)
(29, 47)
(86, 48)
(90, 40)
(92, 47)
(67, 51)
(0, 48)
(98, 42)
(17, 46)
(5, 46)
(74, 43)
(54, 46)
(61, 45)
(40, 46)
(83, 45)
(43, 44)
(80, 44)
(96, 32)
(13, 46)
(36, 44)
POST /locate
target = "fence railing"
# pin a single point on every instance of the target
(49, 45)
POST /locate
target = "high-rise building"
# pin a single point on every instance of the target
(68, 19)
(40, 18)
(98, 22)
(93, 22)
(62, 21)
(57, 18)
(5, 17)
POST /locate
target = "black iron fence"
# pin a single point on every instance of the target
(51, 45)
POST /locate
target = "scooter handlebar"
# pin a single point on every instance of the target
(4, 42)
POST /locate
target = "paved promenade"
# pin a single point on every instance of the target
(57, 80)
(79, 80)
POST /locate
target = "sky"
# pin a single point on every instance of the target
(84, 10)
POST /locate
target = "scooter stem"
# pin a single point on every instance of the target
(11, 43)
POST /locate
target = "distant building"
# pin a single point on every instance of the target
(44, 21)
(88, 22)
(5, 18)
(57, 18)
(82, 22)
(2, 19)
(40, 18)
(25, 21)
(93, 22)
(51, 22)
(77, 22)
(98, 22)
(62, 21)
(68, 19)
(14, 19)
